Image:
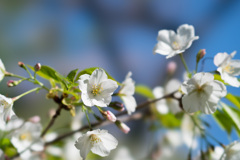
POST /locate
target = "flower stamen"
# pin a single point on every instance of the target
(95, 139)
(96, 89)
(228, 69)
(175, 45)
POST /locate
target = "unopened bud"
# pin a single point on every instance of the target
(21, 64)
(35, 119)
(37, 67)
(200, 54)
(171, 67)
(109, 115)
(12, 83)
(122, 126)
(117, 106)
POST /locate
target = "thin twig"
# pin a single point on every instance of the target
(105, 122)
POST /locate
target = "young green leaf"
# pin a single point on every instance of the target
(71, 75)
(233, 99)
(144, 91)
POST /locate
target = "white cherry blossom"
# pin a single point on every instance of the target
(6, 111)
(163, 106)
(98, 141)
(2, 70)
(96, 88)
(203, 93)
(171, 43)
(126, 93)
(232, 151)
(27, 138)
(228, 68)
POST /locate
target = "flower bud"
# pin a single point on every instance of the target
(37, 67)
(200, 54)
(21, 64)
(122, 126)
(35, 119)
(171, 67)
(109, 115)
(12, 83)
(117, 106)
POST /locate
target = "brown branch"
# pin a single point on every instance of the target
(105, 122)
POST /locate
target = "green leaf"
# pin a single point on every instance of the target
(218, 77)
(89, 71)
(233, 114)
(71, 75)
(224, 121)
(144, 91)
(169, 120)
(49, 73)
(233, 99)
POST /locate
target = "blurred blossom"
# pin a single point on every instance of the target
(2, 70)
(126, 93)
(123, 153)
(232, 151)
(163, 106)
(171, 67)
(6, 110)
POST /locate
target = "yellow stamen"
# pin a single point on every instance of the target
(175, 45)
(95, 139)
(25, 136)
(96, 89)
(228, 69)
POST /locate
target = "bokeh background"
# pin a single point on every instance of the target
(118, 36)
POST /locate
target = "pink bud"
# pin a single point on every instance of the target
(10, 83)
(35, 119)
(122, 126)
(109, 115)
(200, 54)
(37, 67)
(21, 64)
(171, 67)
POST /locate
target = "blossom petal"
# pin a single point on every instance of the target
(83, 82)
(97, 76)
(233, 81)
(128, 87)
(130, 103)
(84, 145)
(220, 58)
(235, 64)
(2, 70)
(163, 49)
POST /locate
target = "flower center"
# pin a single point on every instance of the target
(95, 139)
(175, 45)
(96, 89)
(228, 69)
(25, 136)
(4, 104)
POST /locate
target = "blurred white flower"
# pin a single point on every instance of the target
(27, 138)
(126, 93)
(163, 106)
(232, 151)
(2, 70)
(12, 124)
(171, 43)
(97, 89)
(6, 111)
(123, 153)
(202, 92)
(228, 68)
(98, 141)
(2, 157)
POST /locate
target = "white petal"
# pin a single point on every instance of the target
(2, 70)
(203, 78)
(109, 141)
(187, 35)
(233, 81)
(130, 103)
(128, 85)
(162, 106)
(86, 100)
(173, 105)
(166, 36)
(163, 49)
(235, 64)
(108, 87)
(220, 59)
(191, 102)
(84, 145)
(97, 76)
(172, 85)
(83, 82)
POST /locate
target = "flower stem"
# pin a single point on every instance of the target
(89, 123)
(184, 63)
(25, 93)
